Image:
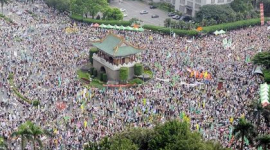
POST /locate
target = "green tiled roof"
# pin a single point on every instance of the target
(115, 46)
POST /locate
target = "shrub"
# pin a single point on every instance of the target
(90, 21)
(136, 81)
(105, 78)
(123, 73)
(36, 103)
(168, 30)
(138, 69)
(91, 52)
(91, 71)
(100, 76)
(266, 74)
(95, 72)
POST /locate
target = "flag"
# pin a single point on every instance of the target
(182, 115)
(230, 133)
(85, 124)
(247, 59)
(59, 80)
(231, 120)
(246, 140)
(169, 55)
(144, 101)
(197, 127)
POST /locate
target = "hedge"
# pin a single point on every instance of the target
(90, 21)
(100, 76)
(123, 73)
(167, 30)
(233, 25)
(266, 74)
(16, 91)
(91, 71)
(138, 69)
(95, 72)
(91, 52)
(104, 77)
(136, 81)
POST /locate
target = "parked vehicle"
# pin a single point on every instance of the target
(154, 16)
(186, 18)
(122, 9)
(153, 7)
(171, 14)
(144, 12)
(176, 17)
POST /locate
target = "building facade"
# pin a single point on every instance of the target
(113, 53)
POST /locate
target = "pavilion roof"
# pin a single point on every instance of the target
(116, 46)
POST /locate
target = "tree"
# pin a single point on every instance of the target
(262, 58)
(95, 6)
(37, 132)
(243, 129)
(241, 5)
(112, 14)
(264, 141)
(123, 144)
(23, 132)
(3, 145)
(255, 112)
(3, 2)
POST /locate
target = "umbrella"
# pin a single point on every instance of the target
(141, 29)
(96, 25)
(135, 29)
(129, 28)
(222, 32)
(102, 26)
(122, 28)
(110, 26)
(216, 32)
(116, 27)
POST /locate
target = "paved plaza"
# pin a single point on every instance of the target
(133, 9)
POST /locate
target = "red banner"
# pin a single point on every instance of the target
(262, 14)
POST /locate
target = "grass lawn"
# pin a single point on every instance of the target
(96, 84)
(82, 74)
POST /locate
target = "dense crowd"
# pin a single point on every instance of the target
(44, 60)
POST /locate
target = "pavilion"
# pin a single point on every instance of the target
(113, 53)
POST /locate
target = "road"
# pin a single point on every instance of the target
(133, 9)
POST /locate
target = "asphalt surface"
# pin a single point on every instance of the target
(133, 9)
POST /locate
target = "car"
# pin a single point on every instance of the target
(186, 18)
(122, 9)
(171, 14)
(176, 17)
(125, 15)
(154, 16)
(144, 12)
(153, 7)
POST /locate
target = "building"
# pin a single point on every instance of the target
(190, 7)
(113, 53)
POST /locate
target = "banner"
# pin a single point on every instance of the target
(262, 14)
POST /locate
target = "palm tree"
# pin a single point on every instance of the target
(264, 141)
(24, 132)
(256, 112)
(243, 129)
(37, 132)
(2, 4)
(3, 145)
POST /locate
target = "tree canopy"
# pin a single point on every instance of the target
(262, 58)
(172, 135)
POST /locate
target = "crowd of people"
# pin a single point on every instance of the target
(44, 60)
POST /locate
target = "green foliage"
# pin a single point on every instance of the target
(244, 129)
(136, 81)
(262, 58)
(104, 77)
(106, 22)
(263, 140)
(3, 144)
(172, 135)
(216, 12)
(95, 72)
(163, 6)
(91, 52)
(232, 25)
(123, 73)
(100, 76)
(112, 14)
(241, 5)
(266, 74)
(91, 71)
(6, 18)
(138, 69)
(167, 30)
(60, 5)
(36, 103)
(266, 4)
(82, 75)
